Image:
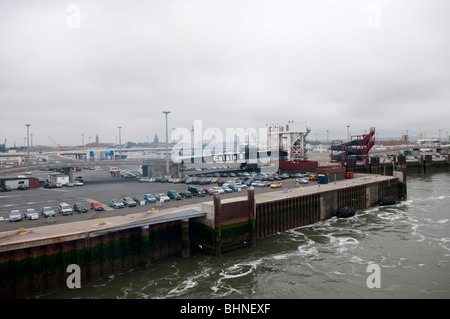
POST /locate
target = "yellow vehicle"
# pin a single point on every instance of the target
(276, 185)
(313, 177)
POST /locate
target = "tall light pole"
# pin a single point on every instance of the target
(167, 143)
(348, 132)
(28, 141)
(82, 140)
(120, 143)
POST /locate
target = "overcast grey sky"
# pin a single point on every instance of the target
(89, 68)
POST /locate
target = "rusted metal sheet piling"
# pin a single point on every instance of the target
(230, 224)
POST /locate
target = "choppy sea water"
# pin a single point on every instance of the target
(409, 242)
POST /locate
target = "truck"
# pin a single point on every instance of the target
(58, 179)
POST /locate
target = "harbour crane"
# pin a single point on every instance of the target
(54, 143)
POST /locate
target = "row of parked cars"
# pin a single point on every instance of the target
(192, 191)
(47, 211)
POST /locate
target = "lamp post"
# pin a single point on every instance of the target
(167, 144)
(28, 141)
(120, 143)
(348, 132)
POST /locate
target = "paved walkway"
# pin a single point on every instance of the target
(24, 238)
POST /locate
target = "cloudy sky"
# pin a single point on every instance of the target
(86, 67)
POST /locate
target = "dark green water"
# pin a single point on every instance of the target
(410, 242)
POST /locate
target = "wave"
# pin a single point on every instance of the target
(189, 283)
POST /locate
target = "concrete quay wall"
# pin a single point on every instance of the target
(230, 224)
(424, 164)
(35, 261)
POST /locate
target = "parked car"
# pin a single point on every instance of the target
(128, 201)
(196, 191)
(116, 203)
(79, 179)
(140, 200)
(276, 185)
(233, 187)
(249, 181)
(162, 197)
(226, 189)
(241, 186)
(172, 194)
(186, 194)
(15, 216)
(96, 205)
(208, 191)
(49, 185)
(31, 214)
(218, 190)
(301, 181)
(144, 180)
(22, 187)
(79, 207)
(78, 183)
(47, 211)
(65, 209)
(150, 198)
(69, 184)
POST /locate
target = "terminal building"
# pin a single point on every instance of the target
(290, 140)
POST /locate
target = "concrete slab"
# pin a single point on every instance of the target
(23, 238)
(360, 179)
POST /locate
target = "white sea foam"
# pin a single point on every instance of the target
(188, 284)
(242, 269)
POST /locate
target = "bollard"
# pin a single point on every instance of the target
(102, 222)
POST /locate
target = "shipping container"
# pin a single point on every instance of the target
(322, 179)
(349, 175)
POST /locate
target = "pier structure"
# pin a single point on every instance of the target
(239, 222)
(35, 261)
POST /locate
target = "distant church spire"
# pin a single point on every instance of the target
(97, 140)
(156, 140)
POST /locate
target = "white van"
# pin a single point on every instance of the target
(65, 209)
